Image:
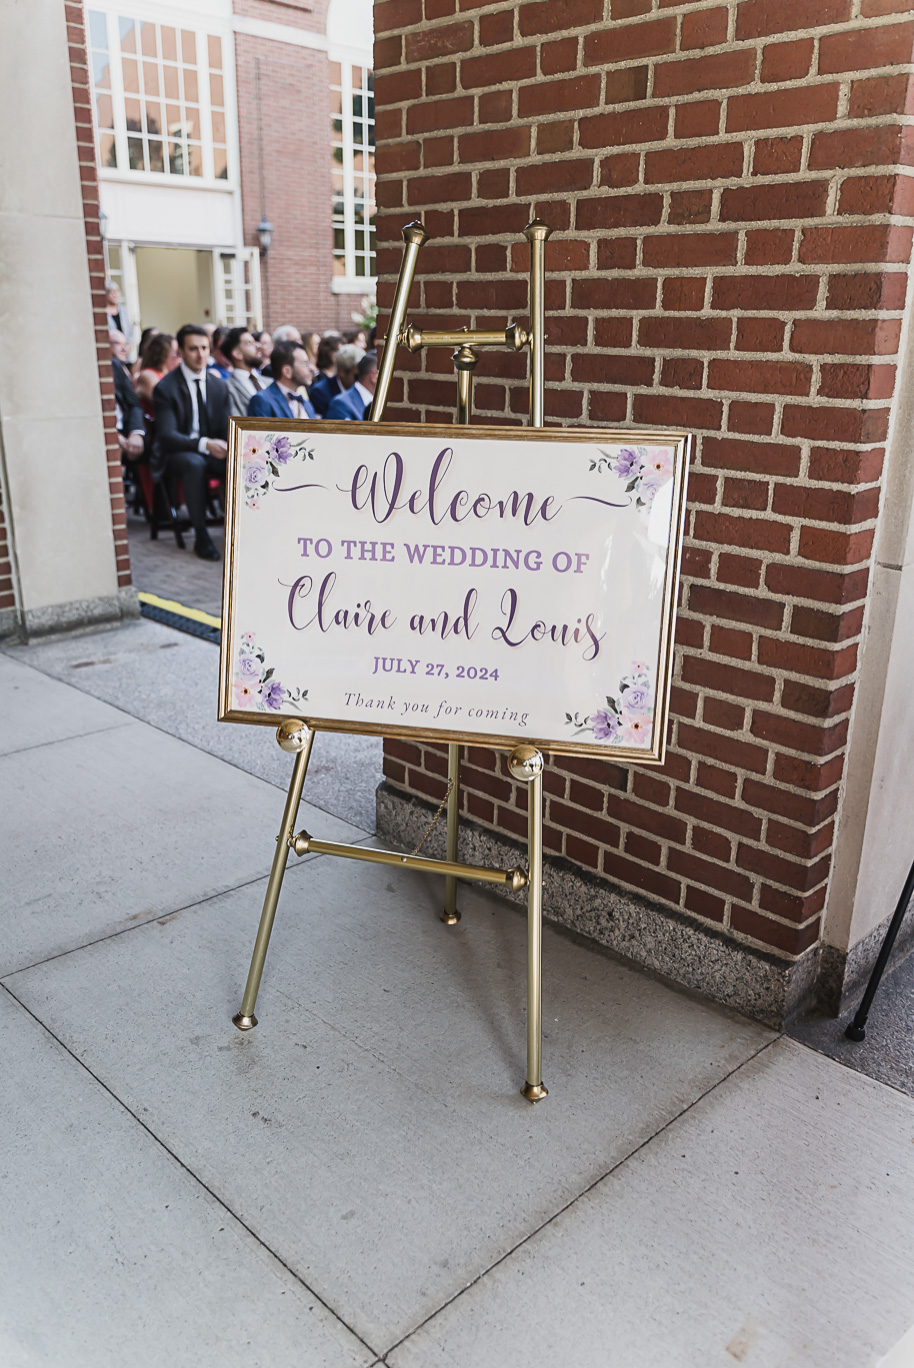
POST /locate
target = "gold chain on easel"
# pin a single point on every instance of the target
(434, 822)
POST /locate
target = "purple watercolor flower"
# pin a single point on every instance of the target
(281, 450)
(249, 667)
(638, 698)
(605, 725)
(272, 694)
(651, 484)
(627, 463)
(255, 472)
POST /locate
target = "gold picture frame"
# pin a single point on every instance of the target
(678, 439)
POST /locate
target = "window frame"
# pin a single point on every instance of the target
(202, 35)
(349, 282)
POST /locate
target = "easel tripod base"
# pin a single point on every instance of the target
(526, 764)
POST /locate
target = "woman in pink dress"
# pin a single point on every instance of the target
(160, 357)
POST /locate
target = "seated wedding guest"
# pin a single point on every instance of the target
(265, 347)
(373, 337)
(311, 341)
(326, 384)
(355, 402)
(145, 335)
(191, 408)
(347, 365)
(287, 332)
(159, 356)
(118, 317)
(219, 359)
(131, 430)
(281, 399)
(356, 337)
(245, 380)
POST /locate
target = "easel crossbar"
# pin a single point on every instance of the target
(305, 844)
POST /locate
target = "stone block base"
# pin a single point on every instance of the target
(69, 619)
(770, 990)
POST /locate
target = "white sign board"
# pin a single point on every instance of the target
(476, 584)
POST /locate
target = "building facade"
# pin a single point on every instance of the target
(171, 131)
(730, 191)
(212, 119)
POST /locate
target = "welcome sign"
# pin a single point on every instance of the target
(469, 584)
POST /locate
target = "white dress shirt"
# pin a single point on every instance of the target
(293, 399)
(190, 378)
(363, 393)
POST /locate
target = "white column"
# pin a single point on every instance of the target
(54, 469)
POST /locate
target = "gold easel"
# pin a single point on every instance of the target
(525, 762)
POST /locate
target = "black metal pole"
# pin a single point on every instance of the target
(857, 1029)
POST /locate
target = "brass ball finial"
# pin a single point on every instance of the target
(292, 735)
(415, 233)
(465, 358)
(525, 763)
(536, 229)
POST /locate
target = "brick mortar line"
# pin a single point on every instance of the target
(752, 901)
(718, 500)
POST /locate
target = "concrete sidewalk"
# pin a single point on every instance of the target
(358, 1181)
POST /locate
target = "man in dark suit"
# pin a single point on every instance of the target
(131, 427)
(354, 403)
(326, 384)
(291, 368)
(192, 411)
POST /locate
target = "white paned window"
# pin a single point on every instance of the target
(352, 172)
(159, 98)
(238, 288)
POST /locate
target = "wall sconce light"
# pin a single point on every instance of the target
(265, 235)
(102, 225)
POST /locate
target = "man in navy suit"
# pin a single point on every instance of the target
(326, 384)
(191, 405)
(355, 402)
(291, 368)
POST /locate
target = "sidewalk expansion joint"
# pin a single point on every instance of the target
(189, 1171)
(78, 736)
(583, 1193)
(185, 740)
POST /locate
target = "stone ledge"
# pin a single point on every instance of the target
(770, 990)
(70, 619)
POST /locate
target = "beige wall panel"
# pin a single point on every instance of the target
(55, 472)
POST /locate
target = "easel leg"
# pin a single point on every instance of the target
(526, 764)
(450, 915)
(296, 737)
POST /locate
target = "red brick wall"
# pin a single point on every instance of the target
(79, 77)
(732, 208)
(290, 136)
(7, 591)
(301, 14)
